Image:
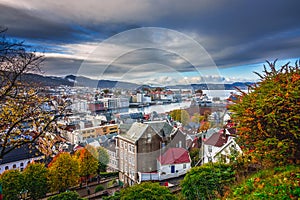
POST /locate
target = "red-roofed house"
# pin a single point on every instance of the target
(174, 162)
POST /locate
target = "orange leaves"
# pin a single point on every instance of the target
(88, 164)
(295, 77)
(270, 112)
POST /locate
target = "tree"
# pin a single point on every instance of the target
(197, 118)
(88, 164)
(12, 182)
(103, 159)
(66, 196)
(146, 190)
(268, 116)
(207, 181)
(23, 117)
(63, 172)
(204, 126)
(181, 116)
(194, 154)
(35, 180)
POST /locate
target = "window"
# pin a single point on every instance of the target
(14, 166)
(121, 144)
(210, 148)
(149, 137)
(184, 166)
(209, 159)
(125, 145)
(6, 167)
(180, 144)
(21, 164)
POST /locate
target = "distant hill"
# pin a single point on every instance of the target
(71, 80)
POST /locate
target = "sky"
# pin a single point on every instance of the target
(157, 42)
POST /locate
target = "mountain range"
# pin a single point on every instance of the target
(72, 80)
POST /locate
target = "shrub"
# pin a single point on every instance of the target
(99, 188)
(208, 181)
(268, 117)
(276, 183)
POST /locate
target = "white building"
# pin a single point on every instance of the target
(221, 146)
(19, 158)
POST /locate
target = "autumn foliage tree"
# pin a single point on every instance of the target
(180, 116)
(268, 116)
(63, 172)
(88, 163)
(23, 118)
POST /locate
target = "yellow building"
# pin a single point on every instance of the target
(96, 131)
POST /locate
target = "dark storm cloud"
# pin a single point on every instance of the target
(233, 32)
(31, 25)
(61, 66)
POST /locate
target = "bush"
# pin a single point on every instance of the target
(99, 188)
(208, 181)
(109, 174)
(268, 117)
(276, 183)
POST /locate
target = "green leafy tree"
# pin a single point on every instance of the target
(268, 117)
(208, 181)
(147, 190)
(12, 182)
(63, 172)
(66, 196)
(88, 164)
(194, 154)
(35, 180)
(103, 159)
(181, 116)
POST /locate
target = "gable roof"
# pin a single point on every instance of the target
(174, 156)
(21, 153)
(217, 139)
(161, 127)
(137, 129)
(230, 141)
(231, 131)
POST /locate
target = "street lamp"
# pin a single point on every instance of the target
(23, 194)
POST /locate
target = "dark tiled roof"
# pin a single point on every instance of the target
(218, 139)
(21, 153)
(232, 130)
